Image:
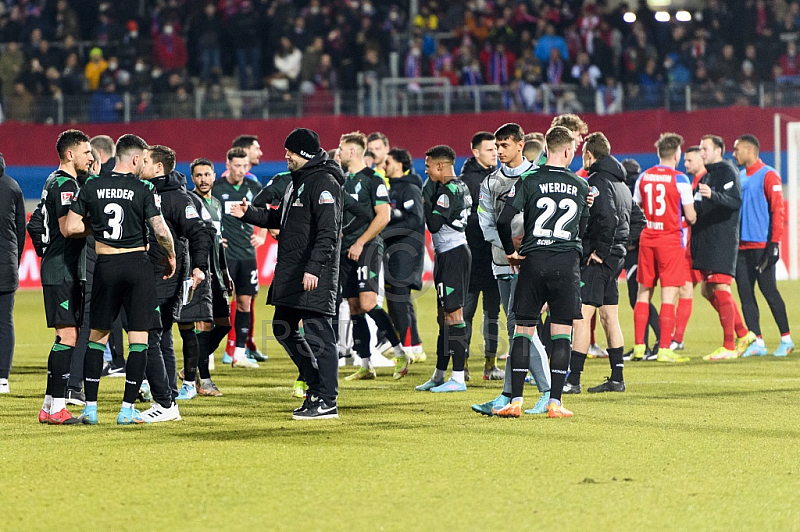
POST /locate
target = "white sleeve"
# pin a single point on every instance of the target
(637, 196)
(685, 190)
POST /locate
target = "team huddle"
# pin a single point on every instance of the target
(126, 245)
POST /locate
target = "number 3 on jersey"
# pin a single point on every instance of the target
(570, 209)
(660, 194)
(115, 222)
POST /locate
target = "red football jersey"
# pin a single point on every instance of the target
(662, 192)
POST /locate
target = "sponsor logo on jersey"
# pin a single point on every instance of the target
(382, 192)
(326, 198)
(205, 214)
(728, 185)
(297, 203)
(66, 198)
(408, 204)
(226, 196)
(594, 191)
(269, 183)
(158, 200)
(191, 212)
(443, 201)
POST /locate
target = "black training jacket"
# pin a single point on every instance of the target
(310, 223)
(608, 230)
(473, 174)
(404, 236)
(12, 232)
(715, 234)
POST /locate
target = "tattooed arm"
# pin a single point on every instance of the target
(164, 238)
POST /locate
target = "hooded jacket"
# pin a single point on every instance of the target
(473, 175)
(608, 230)
(12, 229)
(715, 234)
(404, 236)
(191, 236)
(310, 223)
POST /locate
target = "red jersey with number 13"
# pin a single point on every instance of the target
(662, 191)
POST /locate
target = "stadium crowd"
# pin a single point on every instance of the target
(126, 244)
(158, 52)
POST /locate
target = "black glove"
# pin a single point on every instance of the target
(769, 258)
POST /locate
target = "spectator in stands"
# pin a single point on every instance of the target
(727, 67)
(790, 62)
(169, 49)
(325, 79)
(215, 104)
(95, 68)
(133, 46)
(107, 30)
(67, 22)
(105, 104)
(609, 97)
(245, 30)
(310, 61)
(207, 33)
(555, 68)
(287, 66)
(19, 105)
(584, 64)
(12, 61)
(548, 42)
(652, 84)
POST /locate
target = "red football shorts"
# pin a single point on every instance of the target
(667, 264)
(716, 278)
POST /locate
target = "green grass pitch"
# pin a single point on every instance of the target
(703, 446)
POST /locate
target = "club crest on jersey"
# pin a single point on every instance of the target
(358, 188)
(269, 183)
(300, 190)
(191, 212)
(443, 201)
(249, 195)
(513, 191)
(205, 214)
(226, 196)
(66, 198)
(326, 198)
(382, 191)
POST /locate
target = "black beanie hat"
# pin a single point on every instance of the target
(303, 142)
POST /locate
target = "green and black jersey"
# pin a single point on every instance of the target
(272, 193)
(369, 190)
(447, 215)
(553, 200)
(236, 232)
(212, 213)
(64, 260)
(118, 206)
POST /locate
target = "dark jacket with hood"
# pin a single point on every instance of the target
(12, 229)
(404, 236)
(608, 230)
(473, 174)
(310, 223)
(191, 236)
(715, 234)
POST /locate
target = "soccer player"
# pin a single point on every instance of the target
(664, 194)
(12, 227)
(446, 217)
(715, 242)
(211, 332)
(192, 249)
(404, 259)
(604, 248)
(495, 190)
(61, 271)
(759, 245)
(251, 146)
(481, 279)
(378, 144)
(241, 244)
(118, 207)
(695, 168)
(362, 255)
(553, 201)
(305, 283)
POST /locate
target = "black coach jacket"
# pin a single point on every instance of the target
(481, 274)
(310, 223)
(12, 232)
(404, 236)
(715, 234)
(186, 225)
(608, 230)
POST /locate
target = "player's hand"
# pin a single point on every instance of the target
(238, 209)
(197, 277)
(274, 233)
(257, 240)
(593, 192)
(705, 190)
(225, 243)
(515, 259)
(169, 266)
(226, 278)
(310, 282)
(594, 258)
(517, 241)
(769, 258)
(354, 253)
